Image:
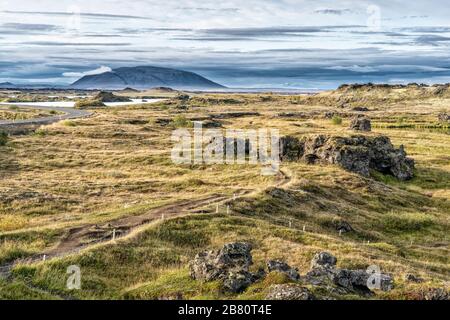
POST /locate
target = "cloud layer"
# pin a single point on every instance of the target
(284, 43)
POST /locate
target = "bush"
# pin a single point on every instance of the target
(336, 120)
(3, 138)
(82, 104)
(69, 123)
(181, 122)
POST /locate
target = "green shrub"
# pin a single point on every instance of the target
(40, 132)
(336, 120)
(181, 122)
(69, 123)
(3, 138)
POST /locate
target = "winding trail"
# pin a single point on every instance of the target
(84, 236)
(68, 113)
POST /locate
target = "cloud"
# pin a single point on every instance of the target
(82, 14)
(337, 12)
(100, 70)
(14, 28)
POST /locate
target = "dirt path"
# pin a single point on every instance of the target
(83, 236)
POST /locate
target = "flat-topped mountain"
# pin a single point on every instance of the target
(145, 77)
(7, 85)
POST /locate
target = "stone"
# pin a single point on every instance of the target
(342, 226)
(409, 277)
(443, 117)
(361, 124)
(291, 148)
(323, 266)
(282, 267)
(362, 280)
(216, 264)
(360, 109)
(359, 154)
(323, 260)
(229, 265)
(311, 158)
(436, 294)
(238, 281)
(289, 292)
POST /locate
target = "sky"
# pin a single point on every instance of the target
(248, 44)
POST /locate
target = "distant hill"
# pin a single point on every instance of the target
(145, 77)
(7, 85)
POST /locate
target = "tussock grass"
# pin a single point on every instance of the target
(116, 164)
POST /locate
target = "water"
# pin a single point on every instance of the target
(71, 104)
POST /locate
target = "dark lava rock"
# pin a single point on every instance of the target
(163, 121)
(342, 226)
(360, 154)
(291, 148)
(289, 291)
(443, 117)
(360, 109)
(282, 267)
(361, 280)
(361, 124)
(216, 264)
(323, 260)
(409, 277)
(238, 281)
(436, 294)
(229, 264)
(324, 265)
(105, 96)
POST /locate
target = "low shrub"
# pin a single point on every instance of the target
(3, 138)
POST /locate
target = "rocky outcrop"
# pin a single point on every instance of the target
(323, 260)
(356, 154)
(289, 291)
(324, 265)
(282, 267)
(291, 148)
(360, 124)
(105, 96)
(215, 264)
(229, 264)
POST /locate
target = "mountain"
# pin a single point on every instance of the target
(145, 77)
(7, 85)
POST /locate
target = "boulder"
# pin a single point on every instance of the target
(409, 277)
(237, 281)
(323, 260)
(361, 124)
(289, 292)
(360, 109)
(443, 117)
(323, 265)
(342, 226)
(282, 267)
(361, 280)
(229, 265)
(436, 294)
(291, 148)
(216, 264)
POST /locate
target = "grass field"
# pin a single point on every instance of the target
(116, 165)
